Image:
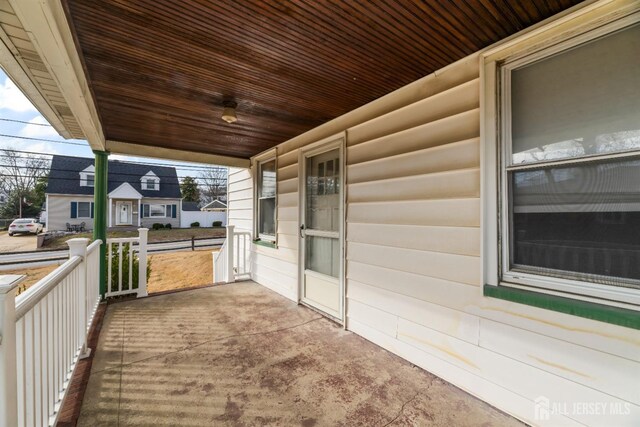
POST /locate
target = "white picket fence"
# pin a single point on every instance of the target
(43, 334)
(133, 247)
(233, 261)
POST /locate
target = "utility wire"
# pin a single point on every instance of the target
(182, 167)
(200, 179)
(45, 140)
(26, 123)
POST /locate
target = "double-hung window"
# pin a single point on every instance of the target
(266, 200)
(569, 167)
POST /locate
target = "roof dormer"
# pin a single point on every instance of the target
(150, 181)
(87, 176)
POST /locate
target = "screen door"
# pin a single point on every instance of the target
(321, 223)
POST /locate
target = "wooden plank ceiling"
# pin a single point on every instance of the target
(159, 69)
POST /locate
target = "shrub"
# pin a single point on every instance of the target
(195, 224)
(167, 226)
(157, 226)
(115, 262)
(217, 224)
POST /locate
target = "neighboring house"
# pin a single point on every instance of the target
(192, 213)
(139, 195)
(215, 206)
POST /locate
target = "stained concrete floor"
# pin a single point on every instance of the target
(242, 355)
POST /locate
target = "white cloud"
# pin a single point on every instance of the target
(12, 99)
(36, 131)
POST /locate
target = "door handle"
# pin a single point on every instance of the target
(302, 231)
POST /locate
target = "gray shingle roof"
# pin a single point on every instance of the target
(64, 177)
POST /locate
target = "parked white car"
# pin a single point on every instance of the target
(25, 225)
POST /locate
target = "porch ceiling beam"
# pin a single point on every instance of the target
(46, 23)
(118, 147)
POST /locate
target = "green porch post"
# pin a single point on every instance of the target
(100, 213)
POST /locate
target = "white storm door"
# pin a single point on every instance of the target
(123, 213)
(321, 214)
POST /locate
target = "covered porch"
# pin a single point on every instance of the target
(393, 120)
(240, 354)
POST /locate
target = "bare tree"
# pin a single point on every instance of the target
(213, 183)
(19, 174)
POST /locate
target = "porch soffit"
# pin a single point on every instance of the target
(160, 69)
(125, 191)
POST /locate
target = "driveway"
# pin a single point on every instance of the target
(17, 243)
(240, 354)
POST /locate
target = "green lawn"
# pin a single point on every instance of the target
(154, 235)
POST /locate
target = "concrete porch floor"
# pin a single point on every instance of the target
(242, 355)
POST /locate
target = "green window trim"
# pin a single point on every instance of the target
(588, 310)
(265, 244)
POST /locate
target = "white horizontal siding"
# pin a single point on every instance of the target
(413, 265)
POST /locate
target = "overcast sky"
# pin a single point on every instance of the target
(14, 105)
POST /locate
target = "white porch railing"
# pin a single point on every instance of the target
(43, 334)
(233, 261)
(124, 252)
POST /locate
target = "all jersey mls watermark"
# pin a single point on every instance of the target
(546, 408)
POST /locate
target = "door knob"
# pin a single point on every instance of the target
(302, 231)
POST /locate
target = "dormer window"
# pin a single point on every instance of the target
(87, 177)
(150, 181)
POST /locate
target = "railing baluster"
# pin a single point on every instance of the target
(29, 368)
(21, 372)
(52, 354)
(120, 266)
(130, 266)
(109, 268)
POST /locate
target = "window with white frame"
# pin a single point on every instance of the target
(266, 200)
(150, 181)
(84, 209)
(569, 166)
(158, 211)
(87, 177)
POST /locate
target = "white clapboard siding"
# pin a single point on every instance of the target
(457, 155)
(288, 186)
(450, 129)
(450, 294)
(449, 212)
(457, 268)
(451, 322)
(444, 104)
(242, 203)
(288, 227)
(454, 240)
(287, 172)
(381, 320)
(239, 194)
(440, 185)
(288, 200)
(604, 337)
(612, 375)
(413, 266)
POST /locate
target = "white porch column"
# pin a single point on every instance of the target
(78, 247)
(139, 212)
(110, 211)
(230, 249)
(8, 376)
(142, 262)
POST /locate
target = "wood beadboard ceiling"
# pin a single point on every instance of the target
(159, 69)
